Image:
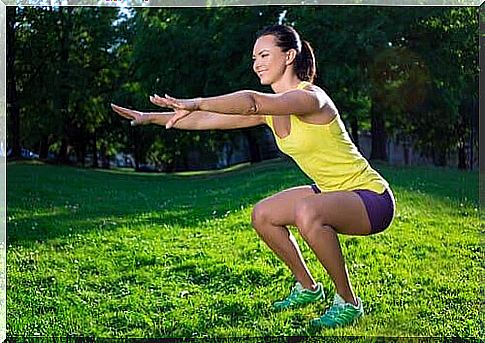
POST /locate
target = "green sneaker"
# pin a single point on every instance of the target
(339, 314)
(300, 296)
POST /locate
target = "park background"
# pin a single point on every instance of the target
(98, 249)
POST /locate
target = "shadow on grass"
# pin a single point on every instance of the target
(46, 202)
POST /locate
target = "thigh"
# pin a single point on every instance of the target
(344, 211)
(279, 209)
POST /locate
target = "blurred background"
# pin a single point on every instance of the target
(405, 80)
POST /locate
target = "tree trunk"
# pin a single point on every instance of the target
(378, 134)
(439, 158)
(406, 155)
(468, 111)
(95, 151)
(83, 151)
(104, 156)
(136, 148)
(462, 156)
(63, 97)
(78, 155)
(354, 130)
(44, 147)
(229, 151)
(473, 131)
(253, 144)
(464, 128)
(62, 158)
(12, 99)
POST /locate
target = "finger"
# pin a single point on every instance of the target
(175, 119)
(142, 119)
(154, 101)
(124, 112)
(172, 102)
(117, 109)
(171, 122)
(165, 100)
(168, 100)
(169, 97)
(161, 101)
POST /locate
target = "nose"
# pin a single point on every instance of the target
(257, 62)
(255, 65)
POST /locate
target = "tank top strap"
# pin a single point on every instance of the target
(303, 85)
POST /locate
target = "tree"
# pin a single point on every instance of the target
(448, 43)
(64, 71)
(409, 76)
(12, 97)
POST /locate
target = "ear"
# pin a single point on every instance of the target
(290, 56)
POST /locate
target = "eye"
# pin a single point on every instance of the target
(264, 55)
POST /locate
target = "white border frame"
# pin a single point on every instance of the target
(157, 3)
(3, 173)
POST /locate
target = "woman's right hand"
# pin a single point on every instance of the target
(136, 117)
(182, 108)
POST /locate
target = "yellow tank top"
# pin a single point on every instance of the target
(327, 155)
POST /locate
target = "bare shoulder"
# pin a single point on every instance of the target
(328, 110)
(316, 89)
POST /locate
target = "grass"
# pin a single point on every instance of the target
(118, 254)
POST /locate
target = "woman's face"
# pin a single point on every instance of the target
(269, 61)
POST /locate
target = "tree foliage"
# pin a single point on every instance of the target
(408, 73)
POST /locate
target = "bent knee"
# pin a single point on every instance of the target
(260, 215)
(306, 217)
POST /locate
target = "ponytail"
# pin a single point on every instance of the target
(305, 65)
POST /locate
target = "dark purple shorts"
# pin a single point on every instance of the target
(380, 207)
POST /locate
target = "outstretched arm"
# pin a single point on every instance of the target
(198, 120)
(298, 102)
(248, 103)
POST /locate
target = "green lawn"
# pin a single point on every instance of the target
(119, 254)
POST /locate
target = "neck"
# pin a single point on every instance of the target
(285, 84)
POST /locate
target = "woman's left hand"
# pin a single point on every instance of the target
(176, 104)
(182, 107)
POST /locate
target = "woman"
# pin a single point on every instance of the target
(348, 196)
